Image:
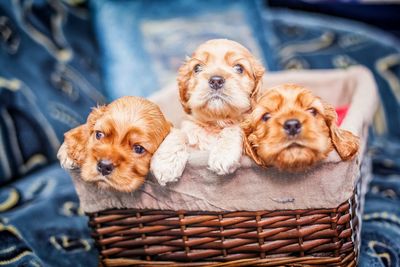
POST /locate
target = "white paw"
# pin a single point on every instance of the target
(169, 161)
(223, 163)
(225, 156)
(196, 136)
(65, 161)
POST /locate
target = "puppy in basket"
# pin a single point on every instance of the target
(292, 129)
(215, 88)
(114, 147)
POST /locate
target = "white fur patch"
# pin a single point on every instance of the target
(226, 153)
(231, 94)
(169, 161)
(198, 137)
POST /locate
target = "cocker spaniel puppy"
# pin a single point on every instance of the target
(215, 87)
(292, 129)
(113, 149)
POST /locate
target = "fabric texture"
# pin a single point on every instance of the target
(48, 82)
(146, 56)
(380, 13)
(41, 223)
(327, 185)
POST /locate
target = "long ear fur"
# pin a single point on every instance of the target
(248, 147)
(183, 80)
(258, 73)
(345, 143)
(76, 139)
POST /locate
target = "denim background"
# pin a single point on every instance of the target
(51, 73)
(144, 42)
(48, 81)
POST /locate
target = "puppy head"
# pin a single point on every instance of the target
(116, 144)
(217, 81)
(292, 129)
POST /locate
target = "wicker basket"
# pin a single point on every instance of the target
(318, 237)
(131, 232)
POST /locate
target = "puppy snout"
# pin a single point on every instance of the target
(216, 82)
(292, 127)
(105, 167)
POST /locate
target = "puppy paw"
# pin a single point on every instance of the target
(169, 161)
(225, 156)
(65, 161)
(196, 136)
(223, 163)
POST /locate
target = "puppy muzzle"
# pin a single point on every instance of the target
(216, 82)
(292, 127)
(105, 167)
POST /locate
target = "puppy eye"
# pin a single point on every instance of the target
(266, 117)
(238, 68)
(138, 149)
(197, 68)
(99, 135)
(313, 111)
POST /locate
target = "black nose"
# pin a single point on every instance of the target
(292, 127)
(216, 82)
(105, 167)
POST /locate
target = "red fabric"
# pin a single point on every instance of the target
(341, 112)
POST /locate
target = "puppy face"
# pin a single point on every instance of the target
(292, 129)
(115, 146)
(217, 81)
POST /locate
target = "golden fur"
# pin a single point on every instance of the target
(122, 126)
(269, 145)
(214, 113)
(218, 57)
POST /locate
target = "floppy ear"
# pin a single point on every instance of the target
(246, 126)
(345, 143)
(76, 139)
(258, 73)
(183, 82)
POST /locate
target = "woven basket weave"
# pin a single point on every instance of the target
(317, 237)
(266, 238)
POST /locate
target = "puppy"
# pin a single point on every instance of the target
(113, 149)
(215, 88)
(292, 129)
